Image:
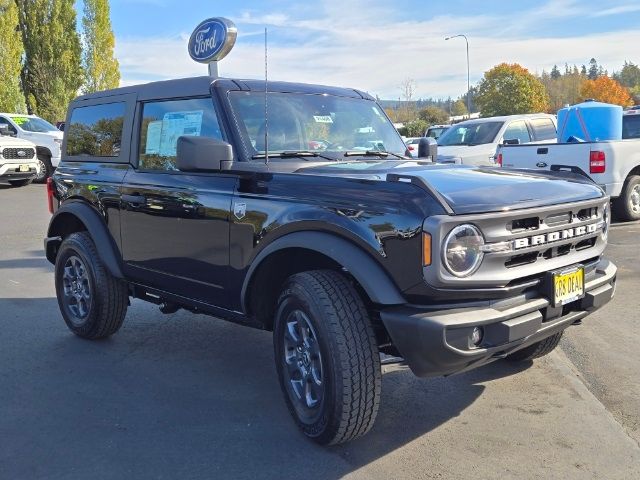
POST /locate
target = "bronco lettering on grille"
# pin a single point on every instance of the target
(557, 236)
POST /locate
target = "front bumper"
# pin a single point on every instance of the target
(11, 171)
(434, 340)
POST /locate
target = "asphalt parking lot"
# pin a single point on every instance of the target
(184, 396)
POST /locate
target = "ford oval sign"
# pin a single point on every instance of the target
(212, 40)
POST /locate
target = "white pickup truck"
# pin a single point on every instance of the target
(18, 162)
(614, 165)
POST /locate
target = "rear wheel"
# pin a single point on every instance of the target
(20, 183)
(627, 205)
(538, 349)
(93, 303)
(327, 357)
(45, 169)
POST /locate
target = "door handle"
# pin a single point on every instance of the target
(543, 151)
(134, 200)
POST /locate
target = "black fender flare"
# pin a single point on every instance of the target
(94, 225)
(362, 266)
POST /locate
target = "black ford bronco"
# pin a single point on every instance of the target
(307, 217)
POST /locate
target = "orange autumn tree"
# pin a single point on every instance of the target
(607, 90)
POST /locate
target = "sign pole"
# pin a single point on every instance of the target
(213, 69)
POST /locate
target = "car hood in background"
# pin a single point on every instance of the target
(465, 151)
(13, 142)
(478, 189)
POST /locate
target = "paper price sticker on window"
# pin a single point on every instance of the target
(323, 118)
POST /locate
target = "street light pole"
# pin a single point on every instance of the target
(468, 72)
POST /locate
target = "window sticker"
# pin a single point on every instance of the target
(154, 132)
(20, 120)
(323, 118)
(162, 135)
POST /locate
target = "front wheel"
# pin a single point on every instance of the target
(45, 169)
(627, 205)
(327, 357)
(93, 302)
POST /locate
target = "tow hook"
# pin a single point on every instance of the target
(168, 308)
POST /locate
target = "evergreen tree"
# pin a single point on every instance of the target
(629, 76)
(555, 72)
(101, 68)
(593, 69)
(583, 70)
(11, 97)
(52, 72)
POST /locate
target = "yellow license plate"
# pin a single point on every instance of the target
(568, 286)
(24, 168)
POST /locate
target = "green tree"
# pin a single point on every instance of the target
(459, 108)
(11, 96)
(433, 116)
(629, 76)
(594, 70)
(509, 89)
(416, 128)
(564, 89)
(52, 71)
(555, 72)
(101, 68)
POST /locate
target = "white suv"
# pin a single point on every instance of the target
(47, 138)
(475, 142)
(18, 162)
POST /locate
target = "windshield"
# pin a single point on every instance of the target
(34, 124)
(317, 123)
(436, 132)
(631, 126)
(476, 133)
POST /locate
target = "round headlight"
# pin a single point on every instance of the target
(606, 221)
(462, 254)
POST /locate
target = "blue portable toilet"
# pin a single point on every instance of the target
(590, 121)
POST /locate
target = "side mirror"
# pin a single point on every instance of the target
(4, 129)
(428, 148)
(202, 154)
(511, 141)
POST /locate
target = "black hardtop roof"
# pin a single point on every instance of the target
(199, 86)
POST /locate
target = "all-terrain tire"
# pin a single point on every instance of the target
(20, 183)
(93, 302)
(340, 329)
(538, 349)
(627, 206)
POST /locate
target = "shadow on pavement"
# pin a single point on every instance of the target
(182, 396)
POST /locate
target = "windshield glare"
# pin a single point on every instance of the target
(477, 133)
(316, 123)
(34, 124)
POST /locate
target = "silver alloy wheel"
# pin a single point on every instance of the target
(77, 289)
(42, 170)
(634, 199)
(303, 361)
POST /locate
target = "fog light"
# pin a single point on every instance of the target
(477, 334)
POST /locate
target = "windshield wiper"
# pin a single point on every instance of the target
(371, 153)
(293, 153)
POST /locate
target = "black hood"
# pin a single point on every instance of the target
(478, 189)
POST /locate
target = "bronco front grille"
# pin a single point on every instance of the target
(18, 153)
(523, 243)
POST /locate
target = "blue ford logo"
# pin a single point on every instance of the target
(212, 40)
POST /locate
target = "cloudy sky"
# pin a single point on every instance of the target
(373, 44)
